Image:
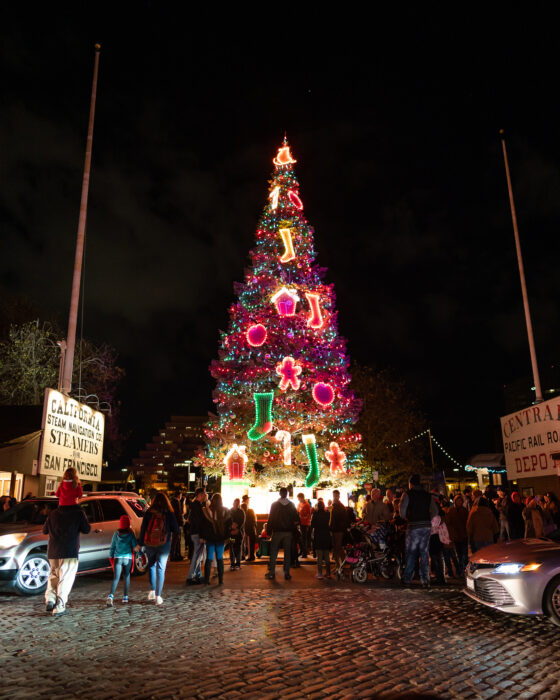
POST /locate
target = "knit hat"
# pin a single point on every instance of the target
(124, 522)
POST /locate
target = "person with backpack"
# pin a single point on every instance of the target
(121, 556)
(282, 521)
(214, 532)
(158, 526)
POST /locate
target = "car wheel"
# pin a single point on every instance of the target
(552, 600)
(140, 563)
(33, 575)
(360, 574)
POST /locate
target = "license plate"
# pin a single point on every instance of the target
(470, 583)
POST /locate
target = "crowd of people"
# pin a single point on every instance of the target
(437, 533)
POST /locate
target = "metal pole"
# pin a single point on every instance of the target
(536, 378)
(76, 281)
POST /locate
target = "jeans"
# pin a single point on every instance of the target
(417, 543)
(462, 549)
(61, 579)
(123, 566)
(198, 551)
(157, 562)
(450, 557)
(284, 540)
(212, 549)
(250, 541)
(504, 531)
(323, 555)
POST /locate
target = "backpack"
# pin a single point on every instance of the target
(156, 532)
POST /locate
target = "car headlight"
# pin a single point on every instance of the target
(7, 541)
(515, 568)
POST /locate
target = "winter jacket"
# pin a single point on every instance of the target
(456, 521)
(339, 517)
(63, 526)
(283, 516)
(177, 510)
(68, 494)
(238, 517)
(304, 512)
(250, 521)
(481, 524)
(320, 529)
(195, 517)
(376, 511)
(122, 545)
(170, 525)
(215, 527)
(516, 522)
(533, 522)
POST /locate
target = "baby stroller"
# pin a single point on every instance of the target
(263, 547)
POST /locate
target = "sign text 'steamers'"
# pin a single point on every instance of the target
(72, 437)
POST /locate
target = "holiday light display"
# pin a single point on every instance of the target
(288, 254)
(313, 473)
(285, 438)
(235, 461)
(263, 417)
(282, 378)
(295, 200)
(256, 335)
(336, 457)
(286, 301)
(323, 394)
(284, 157)
(316, 319)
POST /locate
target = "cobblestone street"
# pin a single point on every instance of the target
(254, 638)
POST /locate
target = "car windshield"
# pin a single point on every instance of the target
(138, 505)
(33, 512)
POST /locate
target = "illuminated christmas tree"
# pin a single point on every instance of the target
(285, 412)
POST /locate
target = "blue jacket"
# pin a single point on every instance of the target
(122, 545)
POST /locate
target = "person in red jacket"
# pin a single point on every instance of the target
(304, 512)
(70, 490)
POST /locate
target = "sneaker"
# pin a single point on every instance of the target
(159, 600)
(109, 601)
(59, 608)
(152, 595)
(125, 599)
(50, 606)
(192, 582)
(287, 576)
(319, 576)
(270, 576)
(232, 567)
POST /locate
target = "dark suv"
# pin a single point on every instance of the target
(24, 565)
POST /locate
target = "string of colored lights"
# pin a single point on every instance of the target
(283, 311)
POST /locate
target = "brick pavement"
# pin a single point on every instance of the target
(253, 638)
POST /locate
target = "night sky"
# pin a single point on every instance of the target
(394, 122)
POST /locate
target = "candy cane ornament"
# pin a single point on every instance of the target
(285, 438)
